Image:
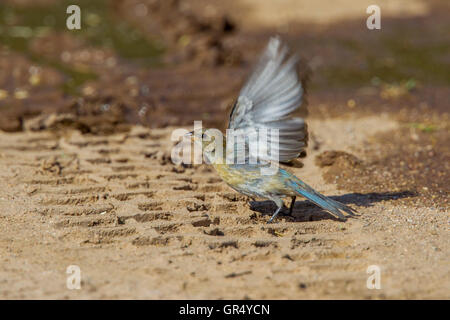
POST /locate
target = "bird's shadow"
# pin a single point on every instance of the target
(308, 211)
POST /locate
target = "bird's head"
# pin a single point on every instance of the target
(212, 143)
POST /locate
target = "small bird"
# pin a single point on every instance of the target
(266, 101)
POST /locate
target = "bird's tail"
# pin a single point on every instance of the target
(322, 201)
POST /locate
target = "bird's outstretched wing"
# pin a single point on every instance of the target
(268, 99)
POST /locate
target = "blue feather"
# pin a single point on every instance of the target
(322, 201)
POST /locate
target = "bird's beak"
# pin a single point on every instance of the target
(190, 134)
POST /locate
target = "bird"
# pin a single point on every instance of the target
(266, 102)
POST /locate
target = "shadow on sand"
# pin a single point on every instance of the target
(308, 211)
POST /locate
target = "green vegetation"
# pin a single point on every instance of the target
(99, 27)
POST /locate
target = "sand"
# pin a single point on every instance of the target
(87, 187)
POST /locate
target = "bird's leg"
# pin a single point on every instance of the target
(274, 215)
(292, 205)
(280, 204)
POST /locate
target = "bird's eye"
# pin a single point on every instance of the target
(203, 136)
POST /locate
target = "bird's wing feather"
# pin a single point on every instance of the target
(268, 99)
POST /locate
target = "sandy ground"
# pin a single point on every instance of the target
(140, 227)
(107, 198)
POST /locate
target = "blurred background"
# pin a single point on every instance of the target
(165, 63)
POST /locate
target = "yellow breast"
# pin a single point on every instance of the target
(233, 176)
